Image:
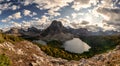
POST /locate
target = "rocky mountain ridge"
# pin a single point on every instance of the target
(56, 27)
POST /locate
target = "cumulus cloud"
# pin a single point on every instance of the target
(78, 4)
(48, 4)
(66, 22)
(111, 25)
(15, 24)
(29, 13)
(14, 7)
(53, 6)
(7, 6)
(16, 16)
(76, 46)
(25, 24)
(52, 12)
(93, 28)
(12, 17)
(27, 2)
(107, 3)
(74, 15)
(4, 6)
(3, 20)
(109, 13)
(40, 23)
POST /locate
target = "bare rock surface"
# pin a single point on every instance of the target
(25, 53)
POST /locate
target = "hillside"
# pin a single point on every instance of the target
(25, 53)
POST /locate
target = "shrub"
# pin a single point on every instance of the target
(4, 60)
(1, 38)
(9, 38)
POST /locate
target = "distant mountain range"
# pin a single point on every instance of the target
(56, 31)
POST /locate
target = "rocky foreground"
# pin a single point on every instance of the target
(25, 53)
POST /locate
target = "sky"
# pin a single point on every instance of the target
(94, 15)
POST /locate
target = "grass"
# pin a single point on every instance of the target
(10, 38)
(4, 60)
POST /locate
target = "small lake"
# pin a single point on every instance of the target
(76, 46)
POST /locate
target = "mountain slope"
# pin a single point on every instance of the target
(56, 31)
(25, 53)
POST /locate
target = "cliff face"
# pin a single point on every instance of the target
(56, 31)
(25, 53)
(55, 28)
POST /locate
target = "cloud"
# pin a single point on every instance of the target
(107, 3)
(14, 7)
(29, 13)
(79, 4)
(27, 2)
(12, 17)
(15, 16)
(4, 6)
(1, 0)
(3, 20)
(111, 25)
(93, 28)
(48, 4)
(15, 24)
(53, 6)
(52, 12)
(66, 22)
(76, 46)
(109, 13)
(0, 12)
(25, 24)
(111, 18)
(40, 23)
(74, 15)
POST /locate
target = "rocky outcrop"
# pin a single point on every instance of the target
(25, 53)
(13, 31)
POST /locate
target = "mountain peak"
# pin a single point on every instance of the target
(54, 28)
(56, 24)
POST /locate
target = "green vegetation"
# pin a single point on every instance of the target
(10, 38)
(114, 38)
(55, 43)
(99, 44)
(4, 60)
(59, 52)
(1, 38)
